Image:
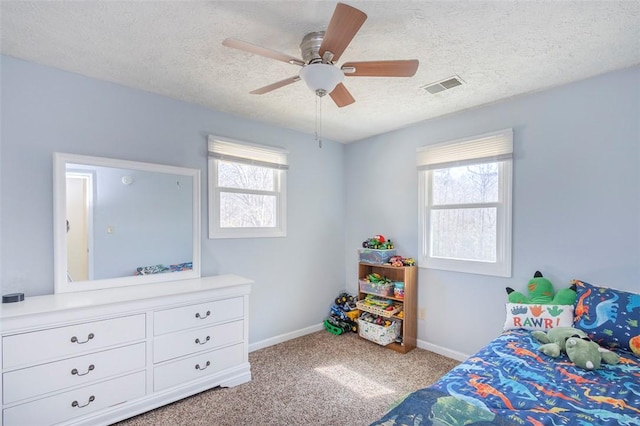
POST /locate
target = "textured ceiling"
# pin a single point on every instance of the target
(500, 49)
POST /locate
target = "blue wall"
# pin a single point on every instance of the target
(45, 110)
(150, 219)
(576, 194)
(576, 209)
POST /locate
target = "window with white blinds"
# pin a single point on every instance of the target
(465, 204)
(257, 155)
(247, 189)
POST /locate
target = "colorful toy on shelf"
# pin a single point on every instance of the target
(376, 278)
(377, 301)
(396, 261)
(398, 290)
(378, 242)
(399, 261)
(375, 319)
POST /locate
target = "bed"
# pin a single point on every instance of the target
(510, 382)
(161, 268)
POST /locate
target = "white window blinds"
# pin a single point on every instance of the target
(490, 147)
(257, 155)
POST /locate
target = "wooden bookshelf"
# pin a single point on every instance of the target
(409, 322)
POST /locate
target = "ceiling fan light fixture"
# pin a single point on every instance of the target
(321, 78)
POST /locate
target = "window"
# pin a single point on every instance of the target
(247, 190)
(465, 204)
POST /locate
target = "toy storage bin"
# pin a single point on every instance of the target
(376, 288)
(377, 310)
(376, 257)
(378, 333)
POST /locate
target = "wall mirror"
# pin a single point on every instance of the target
(121, 223)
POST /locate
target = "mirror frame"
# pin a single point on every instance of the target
(61, 285)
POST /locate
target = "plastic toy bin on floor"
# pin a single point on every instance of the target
(376, 257)
(378, 333)
(376, 288)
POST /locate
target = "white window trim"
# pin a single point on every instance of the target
(274, 158)
(502, 266)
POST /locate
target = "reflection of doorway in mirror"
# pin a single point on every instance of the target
(80, 217)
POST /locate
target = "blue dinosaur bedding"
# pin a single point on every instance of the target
(510, 382)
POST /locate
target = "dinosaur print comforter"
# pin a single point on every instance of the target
(509, 382)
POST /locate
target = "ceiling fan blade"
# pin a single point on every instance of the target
(344, 24)
(405, 68)
(274, 86)
(341, 96)
(262, 51)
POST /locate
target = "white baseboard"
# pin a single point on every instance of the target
(284, 337)
(459, 356)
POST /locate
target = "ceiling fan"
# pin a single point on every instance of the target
(321, 50)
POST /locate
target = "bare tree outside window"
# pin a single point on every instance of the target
(465, 208)
(247, 195)
(247, 189)
(464, 211)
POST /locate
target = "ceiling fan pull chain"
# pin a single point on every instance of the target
(318, 121)
(320, 124)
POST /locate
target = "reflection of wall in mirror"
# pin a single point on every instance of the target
(145, 223)
(77, 249)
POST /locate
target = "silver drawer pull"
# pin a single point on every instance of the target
(203, 368)
(74, 339)
(75, 403)
(203, 317)
(75, 371)
(205, 341)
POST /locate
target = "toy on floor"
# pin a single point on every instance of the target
(346, 302)
(336, 327)
(342, 315)
(541, 292)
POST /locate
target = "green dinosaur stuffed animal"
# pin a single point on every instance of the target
(581, 350)
(541, 293)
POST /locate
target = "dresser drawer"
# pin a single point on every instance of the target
(197, 366)
(79, 402)
(44, 378)
(187, 342)
(28, 348)
(198, 315)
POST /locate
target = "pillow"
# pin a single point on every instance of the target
(538, 317)
(608, 316)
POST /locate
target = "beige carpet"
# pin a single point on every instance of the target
(317, 379)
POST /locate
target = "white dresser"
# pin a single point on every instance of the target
(97, 357)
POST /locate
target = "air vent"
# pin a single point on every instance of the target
(441, 86)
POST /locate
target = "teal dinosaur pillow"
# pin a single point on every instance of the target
(609, 317)
(538, 317)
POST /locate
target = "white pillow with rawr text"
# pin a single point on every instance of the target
(538, 317)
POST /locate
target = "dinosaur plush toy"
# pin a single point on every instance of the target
(541, 293)
(581, 350)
